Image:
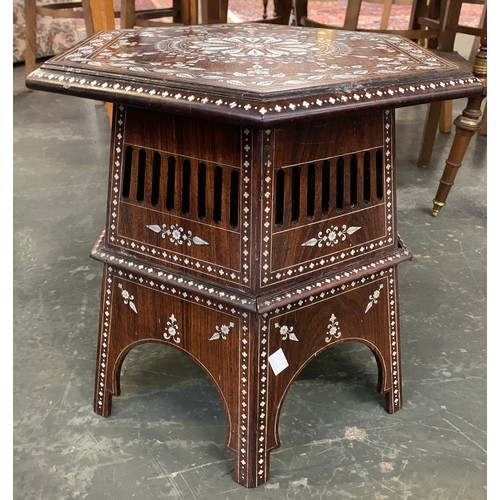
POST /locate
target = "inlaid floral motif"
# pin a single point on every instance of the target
(374, 298)
(172, 330)
(221, 332)
(331, 236)
(286, 332)
(333, 329)
(244, 56)
(128, 299)
(177, 234)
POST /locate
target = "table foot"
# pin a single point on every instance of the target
(252, 472)
(102, 403)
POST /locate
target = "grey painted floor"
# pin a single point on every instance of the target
(165, 436)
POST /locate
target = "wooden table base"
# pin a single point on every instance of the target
(298, 244)
(251, 357)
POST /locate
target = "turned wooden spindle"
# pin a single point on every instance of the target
(467, 124)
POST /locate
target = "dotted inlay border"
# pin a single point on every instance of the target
(268, 276)
(404, 254)
(325, 294)
(102, 366)
(245, 355)
(241, 276)
(192, 284)
(323, 101)
(393, 332)
(262, 398)
(183, 283)
(390, 276)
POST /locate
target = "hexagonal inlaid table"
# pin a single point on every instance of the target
(251, 214)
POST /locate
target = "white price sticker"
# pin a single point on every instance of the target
(278, 361)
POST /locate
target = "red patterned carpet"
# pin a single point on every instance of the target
(329, 12)
(333, 12)
(324, 11)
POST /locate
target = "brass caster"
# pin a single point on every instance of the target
(438, 205)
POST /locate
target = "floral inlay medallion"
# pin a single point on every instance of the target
(172, 330)
(221, 332)
(331, 236)
(286, 332)
(373, 298)
(177, 234)
(128, 299)
(333, 329)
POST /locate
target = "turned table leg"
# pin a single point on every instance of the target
(467, 124)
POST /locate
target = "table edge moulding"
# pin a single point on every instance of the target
(251, 217)
(231, 95)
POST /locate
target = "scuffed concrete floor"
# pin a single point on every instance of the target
(165, 438)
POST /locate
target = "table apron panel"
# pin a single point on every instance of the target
(332, 241)
(172, 239)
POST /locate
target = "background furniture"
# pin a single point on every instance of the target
(181, 12)
(177, 11)
(65, 10)
(450, 27)
(468, 123)
(147, 14)
(435, 23)
(351, 22)
(54, 35)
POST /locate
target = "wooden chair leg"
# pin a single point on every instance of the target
(467, 124)
(30, 35)
(283, 11)
(109, 109)
(87, 17)
(127, 14)
(300, 10)
(484, 126)
(386, 14)
(429, 135)
(446, 118)
(214, 11)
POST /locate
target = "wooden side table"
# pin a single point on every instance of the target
(251, 212)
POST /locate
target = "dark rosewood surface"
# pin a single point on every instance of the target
(251, 220)
(254, 73)
(289, 202)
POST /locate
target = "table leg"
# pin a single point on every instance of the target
(127, 14)
(467, 124)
